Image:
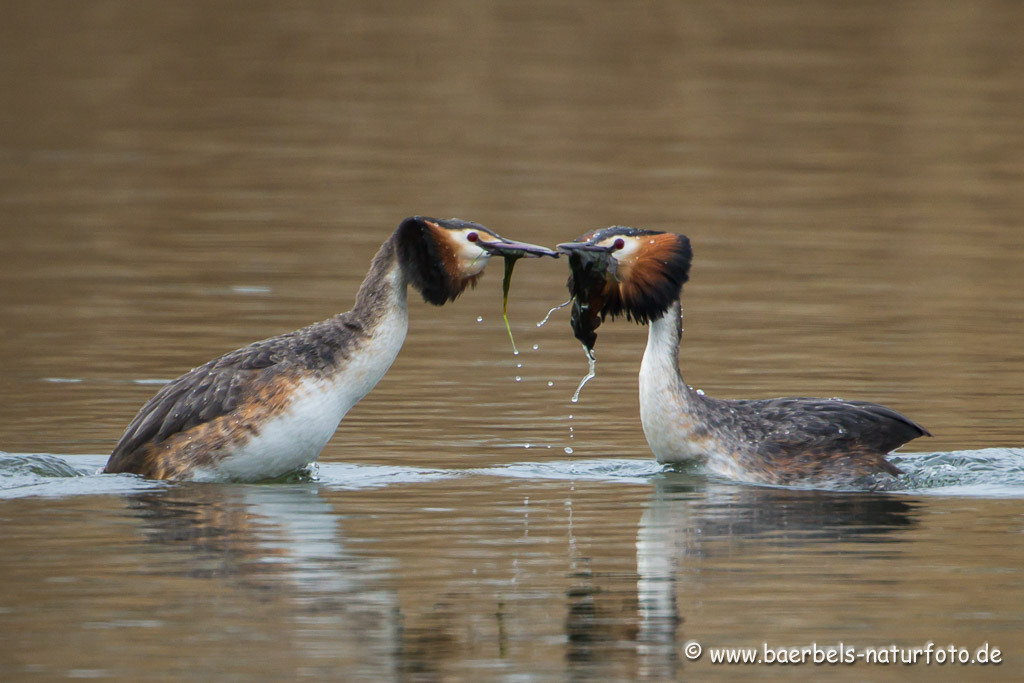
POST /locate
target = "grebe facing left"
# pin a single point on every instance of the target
(805, 441)
(269, 408)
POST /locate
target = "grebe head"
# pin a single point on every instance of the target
(442, 257)
(624, 271)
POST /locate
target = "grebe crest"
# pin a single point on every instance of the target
(624, 271)
(442, 258)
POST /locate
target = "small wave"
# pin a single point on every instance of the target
(619, 470)
(43, 474)
(340, 475)
(16, 467)
(988, 472)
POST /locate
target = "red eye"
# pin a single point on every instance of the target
(619, 244)
(472, 237)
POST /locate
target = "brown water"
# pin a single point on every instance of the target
(178, 179)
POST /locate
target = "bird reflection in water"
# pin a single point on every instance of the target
(285, 544)
(686, 521)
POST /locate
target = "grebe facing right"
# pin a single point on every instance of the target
(789, 441)
(267, 409)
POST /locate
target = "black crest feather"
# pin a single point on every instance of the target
(426, 259)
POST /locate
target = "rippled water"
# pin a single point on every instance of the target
(179, 179)
(597, 568)
(988, 473)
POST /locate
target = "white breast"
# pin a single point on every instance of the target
(664, 411)
(295, 438)
(667, 425)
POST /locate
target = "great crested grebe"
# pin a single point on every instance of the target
(640, 274)
(269, 408)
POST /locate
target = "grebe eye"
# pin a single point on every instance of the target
(619, 244)
(472, 237)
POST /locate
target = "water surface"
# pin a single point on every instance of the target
(179, 179)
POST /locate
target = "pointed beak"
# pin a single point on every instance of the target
(513, 249)
(570, 247)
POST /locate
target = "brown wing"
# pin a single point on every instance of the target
(824, 423)
(200, 395)
(219, 387)
(811, 437)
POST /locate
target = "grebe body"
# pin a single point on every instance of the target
(791, 441)
(290, 435)
(269, 408)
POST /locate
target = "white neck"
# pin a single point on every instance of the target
(382, 314)
(667, 404)
(382, 307)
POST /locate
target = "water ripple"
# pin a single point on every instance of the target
(340, 475)
(628, 471)
(42, 474)
(987, 473)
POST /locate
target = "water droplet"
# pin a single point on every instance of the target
(515, 352)
(479, 318)
(568, 450)
(518, 378)
(570, 417)
(700, 392)
(526, 446)
(519, 365)
(551, 384)
(536, 346)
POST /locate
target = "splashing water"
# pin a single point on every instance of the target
(591, 373)
(553, 309)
